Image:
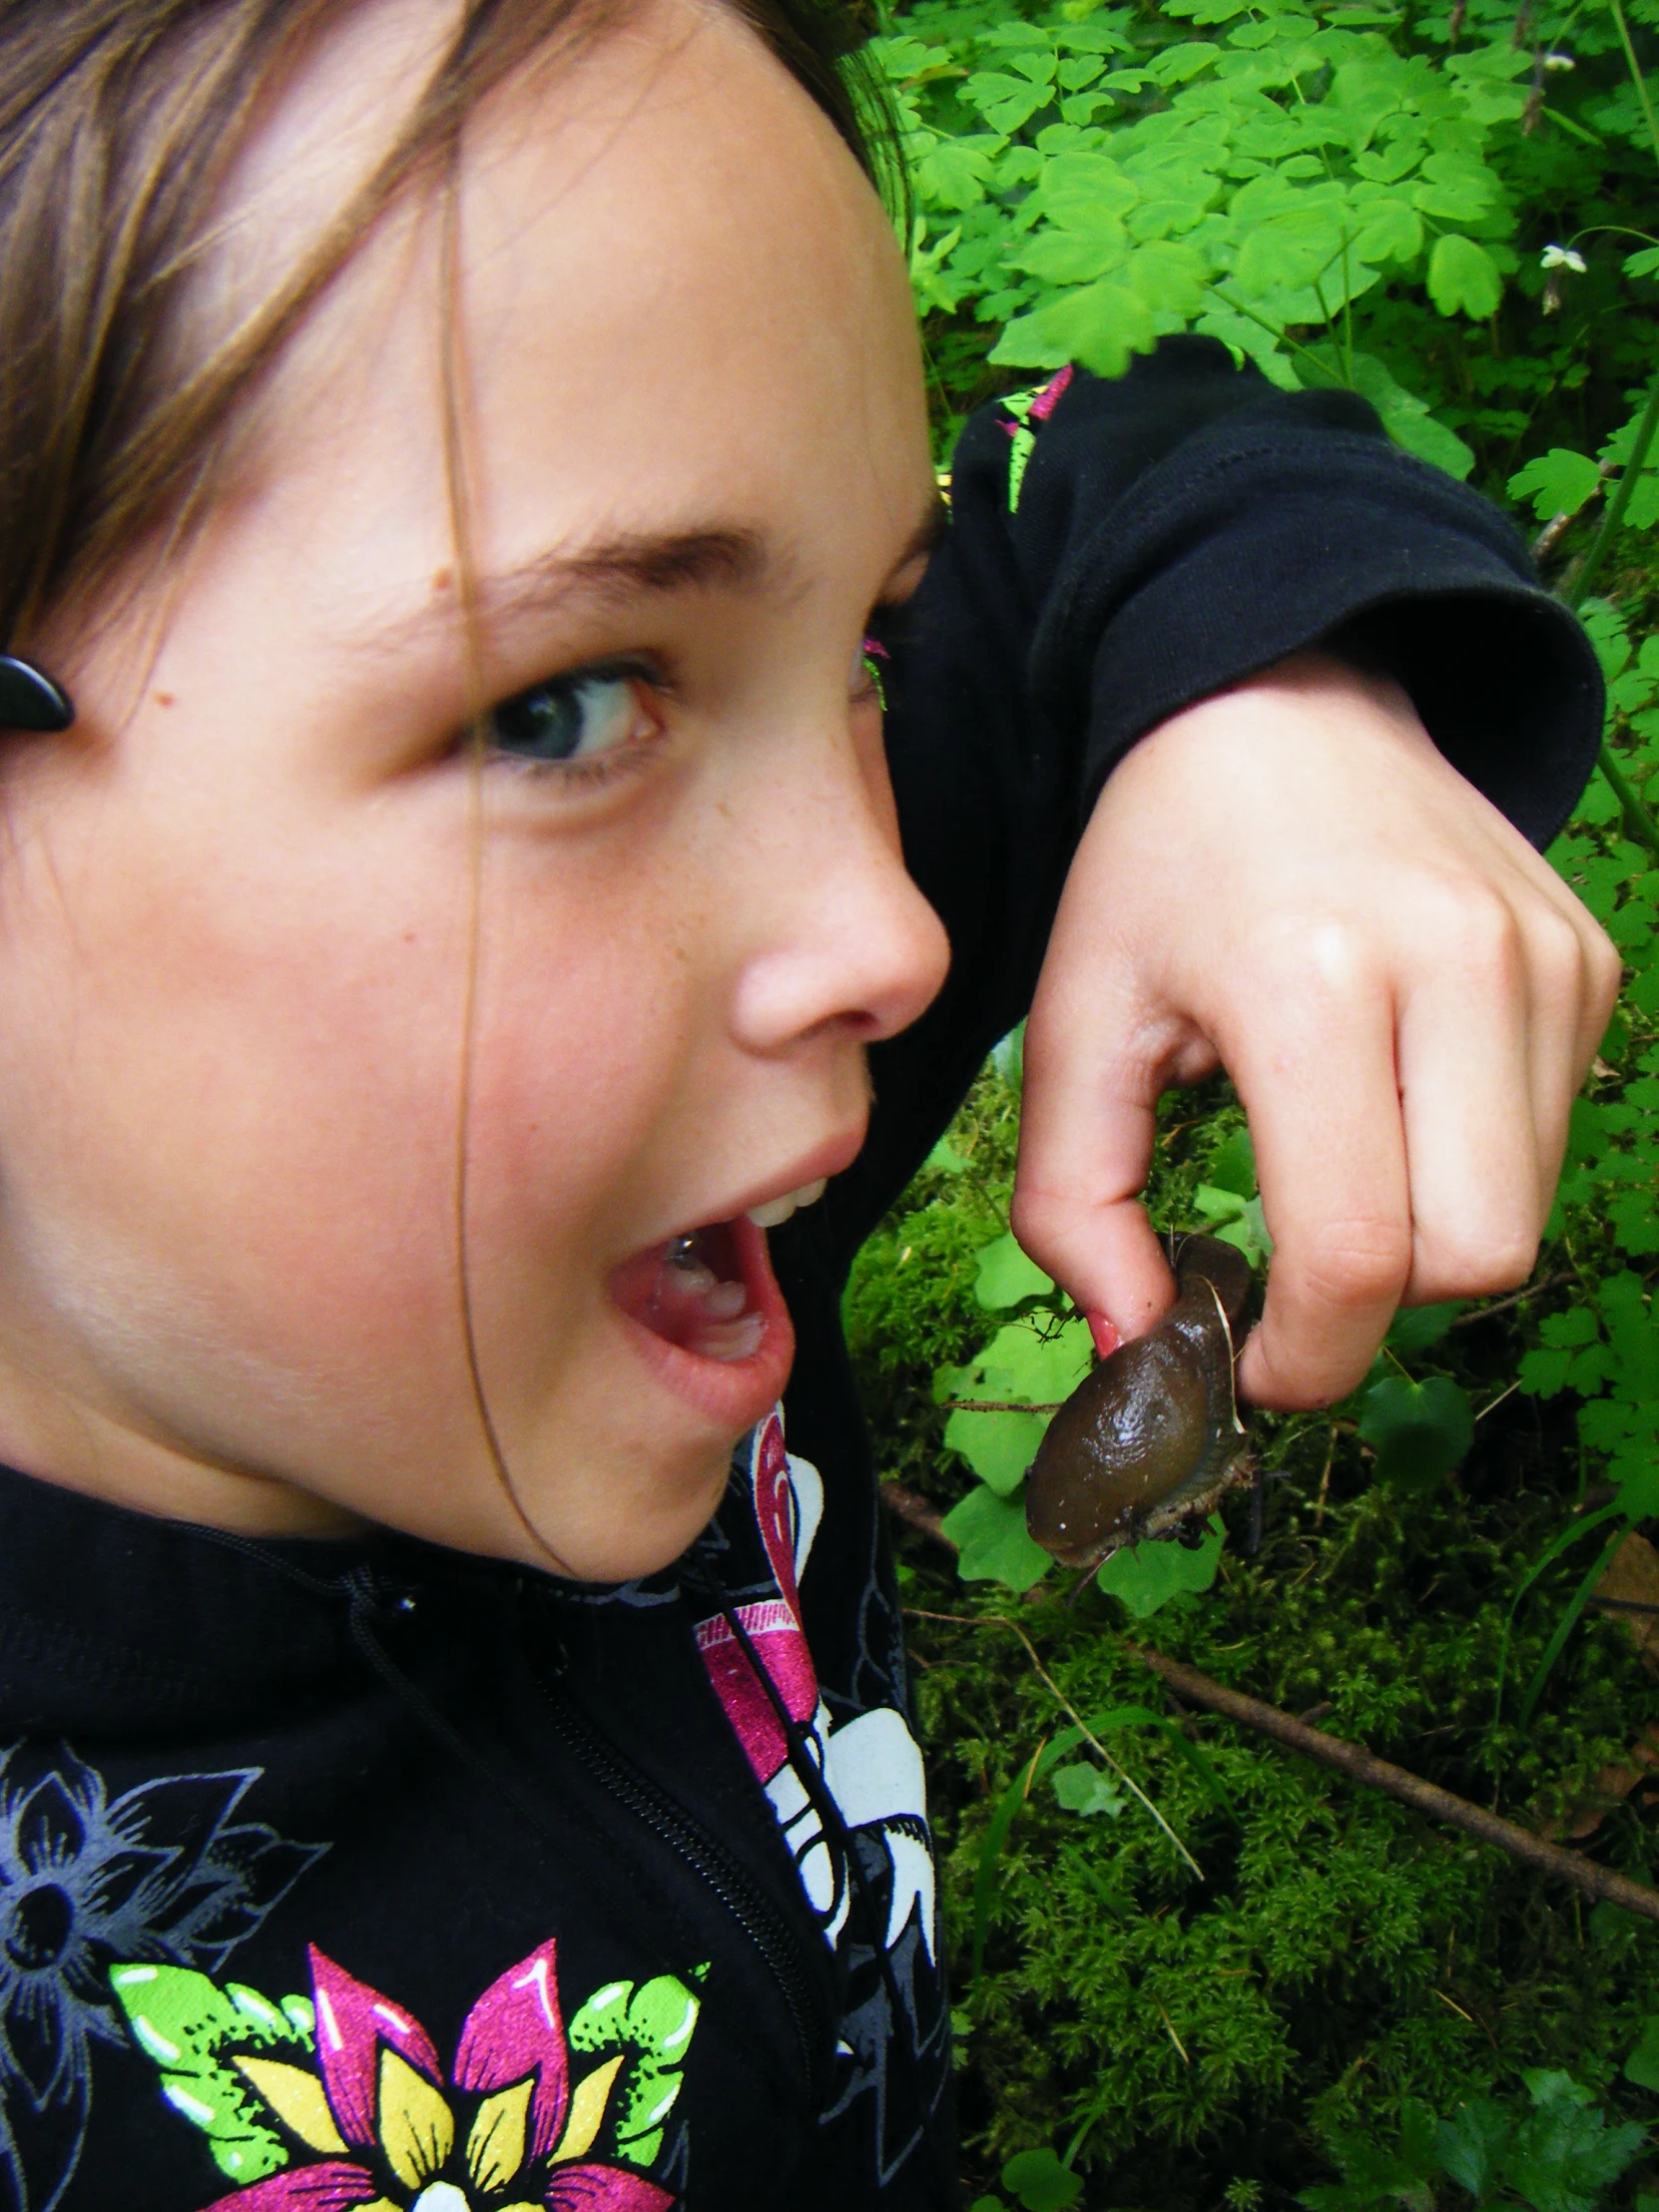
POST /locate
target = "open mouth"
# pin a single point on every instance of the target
(700, 1299)
(710, 1292)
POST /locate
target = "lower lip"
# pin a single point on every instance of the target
(732, 1394)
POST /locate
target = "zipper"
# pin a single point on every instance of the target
(707, 1858)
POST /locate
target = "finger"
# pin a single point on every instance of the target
(1600, 970)
(1467, 1086)
(1319, 1081)
(1575, 979)
(1087, 1126)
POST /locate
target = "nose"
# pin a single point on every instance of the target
(848, 943)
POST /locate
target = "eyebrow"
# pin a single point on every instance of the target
(722, 556)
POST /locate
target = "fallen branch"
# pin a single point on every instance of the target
(1353, 1760)
(1360, 1765)
(916, 1511)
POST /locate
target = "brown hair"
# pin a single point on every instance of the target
(119, 120)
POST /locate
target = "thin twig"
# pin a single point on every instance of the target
(1001, 1620)
(1001, 1405)
(1502, 1304)
(1360, 1765)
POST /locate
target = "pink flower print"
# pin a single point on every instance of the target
(502, 2130)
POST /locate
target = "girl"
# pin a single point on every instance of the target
(451, 1753)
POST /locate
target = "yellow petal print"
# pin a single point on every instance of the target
(587, 2109)
(297, 2100)
(495, 2148)
(417, 2131)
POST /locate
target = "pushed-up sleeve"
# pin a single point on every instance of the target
(1119, 550)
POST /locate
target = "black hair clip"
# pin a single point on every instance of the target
(29, 700)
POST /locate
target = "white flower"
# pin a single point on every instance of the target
(1562, 257)
(1558, 61)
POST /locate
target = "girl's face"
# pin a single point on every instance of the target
(238, 897)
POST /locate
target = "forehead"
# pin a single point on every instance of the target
(659, 289)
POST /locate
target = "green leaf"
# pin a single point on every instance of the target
(1407, 419)
(1389, 230)
(1289, 251)
(1563, 1629)
(1233, 1166)
(1471, 2145)
(1644, 263)
(1040, 2182)
(1642, 2066)
(1419, 1430)
(1084, 1788)
(1005, 1274)
(1563, 2154)
(1147, 1576)
(1099, 325)
(1076, 190)
(997, 1447)
(1169, 276)
(1557, 482)
(1075, 256)
(955, 171)
(1463, 278)
(1414, 1328)
(1006, 103)
(1033, 1365)
(990, 1531)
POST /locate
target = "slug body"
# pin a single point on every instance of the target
(1153, 1434)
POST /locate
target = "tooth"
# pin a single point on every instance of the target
(691, 1276)
(731, 1339)
(725, 1302)
(775, 1212)
(810, 1193)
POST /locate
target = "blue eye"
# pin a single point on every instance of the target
(573, 718)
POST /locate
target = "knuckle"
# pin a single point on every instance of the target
(1477, 931)
(1358, 1264)
(1474, 1266)
(1308, 949)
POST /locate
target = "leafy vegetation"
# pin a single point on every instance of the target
(1192, 1970)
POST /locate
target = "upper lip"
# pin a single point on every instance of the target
(825, 1160)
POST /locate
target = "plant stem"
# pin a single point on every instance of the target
(1612, 520)
(1636, 77)
(1639, 825)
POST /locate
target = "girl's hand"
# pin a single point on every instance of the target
(1287, 880)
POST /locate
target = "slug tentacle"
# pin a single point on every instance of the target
(1152, 1436)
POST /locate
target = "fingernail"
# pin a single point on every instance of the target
(1105, 1333)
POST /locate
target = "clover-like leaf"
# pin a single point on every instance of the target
(1040, 2182)
(1146, 1577)
(1419, 1430)
(1463, 278)
(992, 1535)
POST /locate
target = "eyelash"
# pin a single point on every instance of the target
(603, 767)
(592, 773)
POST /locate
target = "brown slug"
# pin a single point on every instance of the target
(1152, 1436)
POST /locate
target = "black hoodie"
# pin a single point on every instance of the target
(379, 1874)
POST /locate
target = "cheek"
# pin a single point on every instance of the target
(593, 1012)
(239, 1087)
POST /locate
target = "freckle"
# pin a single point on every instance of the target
(164, 699)
(443, 580)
